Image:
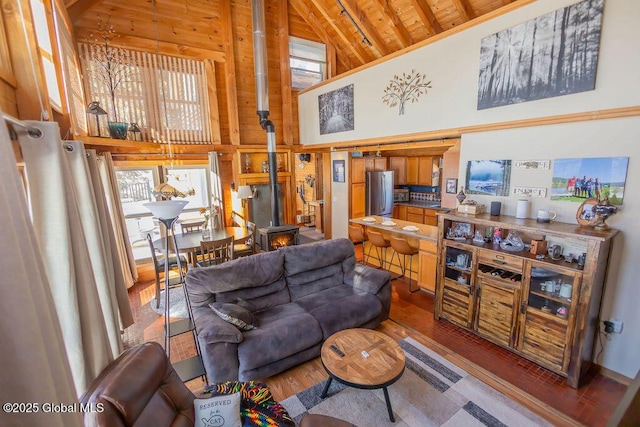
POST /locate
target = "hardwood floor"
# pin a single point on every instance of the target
(412, 315)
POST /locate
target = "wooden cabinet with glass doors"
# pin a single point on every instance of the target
(541, 308)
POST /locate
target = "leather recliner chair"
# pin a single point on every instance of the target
(139, 388)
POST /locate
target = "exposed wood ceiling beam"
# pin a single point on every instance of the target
(397, 26)
(426, 16)
(506, 2)
(356, 48)
(464, 9)
(78, 8)
(378, 44)
(149, 45)
(310, 18)
(230, 72)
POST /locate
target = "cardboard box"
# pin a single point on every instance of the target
(472, 209)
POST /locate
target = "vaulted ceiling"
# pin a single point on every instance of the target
(360, 31)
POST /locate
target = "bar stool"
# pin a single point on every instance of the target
(376, 239)
(401, 247)
(356, 235)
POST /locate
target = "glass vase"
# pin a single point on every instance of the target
(206, 233)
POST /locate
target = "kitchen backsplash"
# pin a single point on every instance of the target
(424, 197)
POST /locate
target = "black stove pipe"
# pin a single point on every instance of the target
(262, 101)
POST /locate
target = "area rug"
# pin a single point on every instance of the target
(177, 303)
(431, 392)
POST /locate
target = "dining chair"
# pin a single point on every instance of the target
(191, 227)
(215, 251)
(247, 245)
(158, 264)
(237, 220)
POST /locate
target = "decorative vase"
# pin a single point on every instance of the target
(461, 196)
(206, 233)
(118, 130)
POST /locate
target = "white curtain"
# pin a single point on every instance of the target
(117, 242)
(121, 244)
(33, 357)
(75, 251)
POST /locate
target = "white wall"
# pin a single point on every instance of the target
(603, 138)
(452, 65)
(339, 199)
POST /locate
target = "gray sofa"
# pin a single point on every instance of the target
(299, 295)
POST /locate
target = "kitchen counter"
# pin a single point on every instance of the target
(425, 240)
(425, 232)
(423, 204)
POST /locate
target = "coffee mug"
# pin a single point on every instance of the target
(565, 290)
(545, 215)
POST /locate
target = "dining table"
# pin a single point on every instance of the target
(189, 243)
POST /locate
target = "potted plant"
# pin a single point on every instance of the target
(111, 66)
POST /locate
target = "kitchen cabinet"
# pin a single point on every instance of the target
(357, 187)
(358, 169)
(358, 205)
(412, 171)
(542, 309)
(430, 217)
(428, 259)
(375, 164)
(402, 212)
(415, 214)
(425, 170)
(399, 167)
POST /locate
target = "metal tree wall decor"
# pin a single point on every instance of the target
(111, 66)
(552, 55)
(405, 88)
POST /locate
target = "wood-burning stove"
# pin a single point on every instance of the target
(275, 237)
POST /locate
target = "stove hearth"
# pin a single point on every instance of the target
(276, 237)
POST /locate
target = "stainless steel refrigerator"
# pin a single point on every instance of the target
(379, 193)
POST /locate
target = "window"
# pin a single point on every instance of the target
(135, 186)
(308, 62)
(47, 51)
(164, 95)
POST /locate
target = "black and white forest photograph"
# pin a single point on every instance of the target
(336, 110)
(552, 55)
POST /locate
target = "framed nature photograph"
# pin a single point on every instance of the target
(336, 110)
(575, 180)
(338, 171)
(488, 177)
(452, 185)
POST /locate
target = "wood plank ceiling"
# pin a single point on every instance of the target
(360, 31)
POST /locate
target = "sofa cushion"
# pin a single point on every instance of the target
(235, 314)
(303, 258)
(341, 307)
(313, 281)
(258, 298)
(248, 272)
(284, 330)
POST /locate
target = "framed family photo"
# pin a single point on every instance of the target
(338, 171)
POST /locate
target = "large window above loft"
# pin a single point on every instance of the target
(166, 96)
(308, 62)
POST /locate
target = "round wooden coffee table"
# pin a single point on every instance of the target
(364, 359)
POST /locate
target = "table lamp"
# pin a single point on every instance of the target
(167, 212)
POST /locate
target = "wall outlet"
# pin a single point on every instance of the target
(617, 325)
